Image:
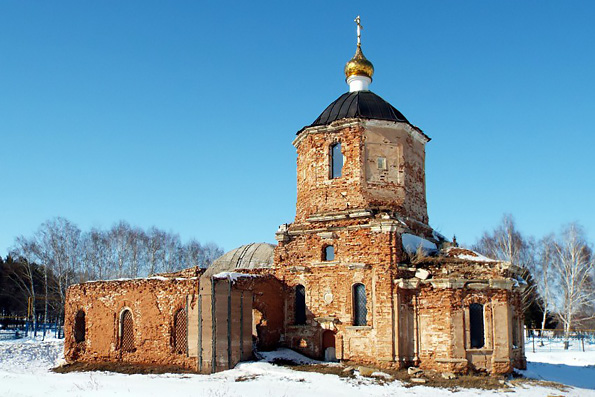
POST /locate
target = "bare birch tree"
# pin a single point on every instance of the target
(211, 252)
(506, 243)
(574, 266)
(137, 240)
(194, 254)
(119, 236)
(58, 248)
(95, 250)
(155, 250)
(543, 277)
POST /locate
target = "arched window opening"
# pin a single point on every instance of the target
(300, 305)
(336, 160)
(476, 325)
(79, 327)
(360, 312)
(180, 332)
(328, 254)
(126, 331)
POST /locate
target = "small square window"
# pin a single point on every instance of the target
(381, 162)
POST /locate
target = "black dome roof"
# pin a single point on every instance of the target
(359, 104)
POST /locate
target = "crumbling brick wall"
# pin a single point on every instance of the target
(383, 168)
(152, 302)
(424, 322)
(361, 257)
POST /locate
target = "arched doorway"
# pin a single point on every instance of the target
(328, 346)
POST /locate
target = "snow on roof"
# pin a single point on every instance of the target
(160, 278)
(233, 276)
(467, 254)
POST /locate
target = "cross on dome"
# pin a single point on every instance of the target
(359, 32)
(358, 71)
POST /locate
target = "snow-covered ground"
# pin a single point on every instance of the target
(551, 362)
(25, 364)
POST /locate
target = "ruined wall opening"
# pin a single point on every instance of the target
(180, 332)
(258, 321)
(516, 325)
(300, 305)
(360, 311)
(126, 331)
(79, 326)
(328, 346)
(336, 161)
(476, 326)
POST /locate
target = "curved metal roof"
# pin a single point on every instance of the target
(359, 104)
(249, 256)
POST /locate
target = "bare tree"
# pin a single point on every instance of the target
(122, 251)
(574, 266)
(25, 274)
(155, 250)
(119, 236)
(194, 254)
(211, 252)
(506, 243)
(58, 248)
(96, 248)
(173, 253)
(137, 241)
(543, 277)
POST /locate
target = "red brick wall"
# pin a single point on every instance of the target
(153, 303)
(401, 187)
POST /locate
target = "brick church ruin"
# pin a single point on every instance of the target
(358, 276)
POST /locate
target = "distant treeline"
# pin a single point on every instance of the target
(39, 268)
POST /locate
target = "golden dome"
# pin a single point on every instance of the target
(359, 65)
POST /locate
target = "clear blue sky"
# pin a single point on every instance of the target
(181, 114)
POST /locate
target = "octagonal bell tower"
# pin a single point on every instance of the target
(361, 154)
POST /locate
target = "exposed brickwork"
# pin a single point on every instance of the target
(152, 304)
(420, 310)
(400, 186)
(380, 195)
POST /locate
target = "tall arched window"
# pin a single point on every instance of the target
(476, 325)
(300, 305)
(126, 331)
(180, 334)
(336, 160)
(328, 254)
(79, 327)
(360, 312)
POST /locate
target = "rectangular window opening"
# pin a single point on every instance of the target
(336, 161)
